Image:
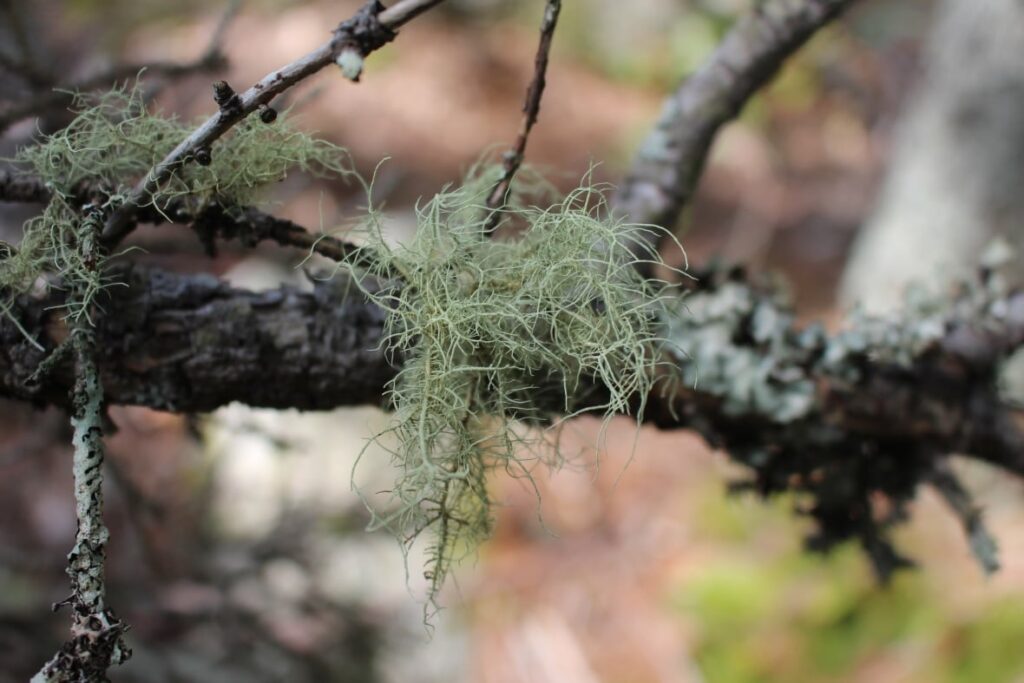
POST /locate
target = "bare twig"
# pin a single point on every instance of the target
(251, 225)
(665, 171)
(20, 188)
(370, 28)
(498, 197)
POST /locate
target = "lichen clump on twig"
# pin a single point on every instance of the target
(494, 332)
(113, 141)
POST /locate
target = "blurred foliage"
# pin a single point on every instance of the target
(781, 614)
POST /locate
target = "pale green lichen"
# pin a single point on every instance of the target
(110, 145)
(495, 332)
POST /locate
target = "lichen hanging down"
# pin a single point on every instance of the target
(497, 331)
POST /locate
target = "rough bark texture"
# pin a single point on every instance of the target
(873, 410)
(192, 343)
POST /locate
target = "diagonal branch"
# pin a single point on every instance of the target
(370, 28)
(669, 163)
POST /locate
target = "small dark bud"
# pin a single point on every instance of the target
(203, 156)
(267, 114)
(222, 93)
(226, 98)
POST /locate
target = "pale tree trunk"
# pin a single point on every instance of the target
(956, 176)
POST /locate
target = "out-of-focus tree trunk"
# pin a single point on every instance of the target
(956, 177)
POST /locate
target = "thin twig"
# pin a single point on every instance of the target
(983, 545)
(247, 224)
(498, 197)
(368, 30)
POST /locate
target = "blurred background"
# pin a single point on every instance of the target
(890, 150)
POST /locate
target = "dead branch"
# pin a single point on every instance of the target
(50, 96)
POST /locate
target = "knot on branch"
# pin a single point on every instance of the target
(360, 35)
(227, 99)
(96, 644)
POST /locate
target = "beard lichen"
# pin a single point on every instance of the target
(111, 143)
(499, 335)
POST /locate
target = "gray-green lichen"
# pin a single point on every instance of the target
(111, 144)
(494, 332)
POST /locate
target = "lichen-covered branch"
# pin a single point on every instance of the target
(96, 641)
(193, 343)
(211, 222)
(666, 169)
(868, 413)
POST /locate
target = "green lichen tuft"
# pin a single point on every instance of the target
(497, 334)
(110, 145)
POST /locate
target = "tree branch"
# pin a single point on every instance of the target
(97, 635)
(370, 28)
(870, 412)
(213, 221)
(669, 163)
(498, 197)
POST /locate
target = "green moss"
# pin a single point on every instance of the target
(493, 332)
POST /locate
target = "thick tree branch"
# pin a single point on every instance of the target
(193, 343)
(669, 163)
(869, 412)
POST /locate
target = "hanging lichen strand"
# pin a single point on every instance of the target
(494, 332)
